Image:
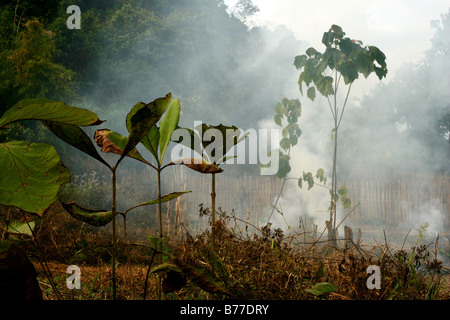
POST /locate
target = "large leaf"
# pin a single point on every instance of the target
(45, 109)
(141, 119)
(151, 141)
(168, 123)
(113, 142)
(76, 137)
(31, 175)
(165, 198)
(97, 218)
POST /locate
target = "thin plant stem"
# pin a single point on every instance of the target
(114, 245)
(213, 211)
(41, 262)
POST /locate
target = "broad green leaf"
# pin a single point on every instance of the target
(20, 228)
(335, 59)
(378, 55)
(380, 72)
(277, 119)
(346, 203)
(342, 191)
(322, 288)
(308, 178)
(151, 141)
(30, 175)
(327, 38)
(283, 168)
(346, 45)
(285, 143)
(300, 61)
(320, 173)
(168, 123)
(324, 84)
(74, 136)
(311, 93)
(293, 140)
(279, 109)
(45, 109)
(311, 51)
(338, 31)
(165, 198)
(113, 142)
(364, 64)
(349, 71)
(97, 218)
(141, 119)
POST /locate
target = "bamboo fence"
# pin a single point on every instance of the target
(385, 198)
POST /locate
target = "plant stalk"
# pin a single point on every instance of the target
(114, 247)
(213, 212)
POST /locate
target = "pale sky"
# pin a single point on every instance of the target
(400, 28)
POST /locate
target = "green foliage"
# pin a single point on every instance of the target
(19, 229)
(322, 289)
(97, 218)
(347, 57)
(287, 111)
(33, 173)
(29, 67)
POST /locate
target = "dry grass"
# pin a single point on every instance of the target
(264, 264)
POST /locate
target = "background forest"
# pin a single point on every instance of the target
(203, 52)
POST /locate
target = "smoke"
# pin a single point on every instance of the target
(227, 73)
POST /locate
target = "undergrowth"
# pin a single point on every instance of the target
(250, 262)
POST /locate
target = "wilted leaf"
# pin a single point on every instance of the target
(95, 218)
(30, 175)
(204, 279)
(111, 141)
(198, 165)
